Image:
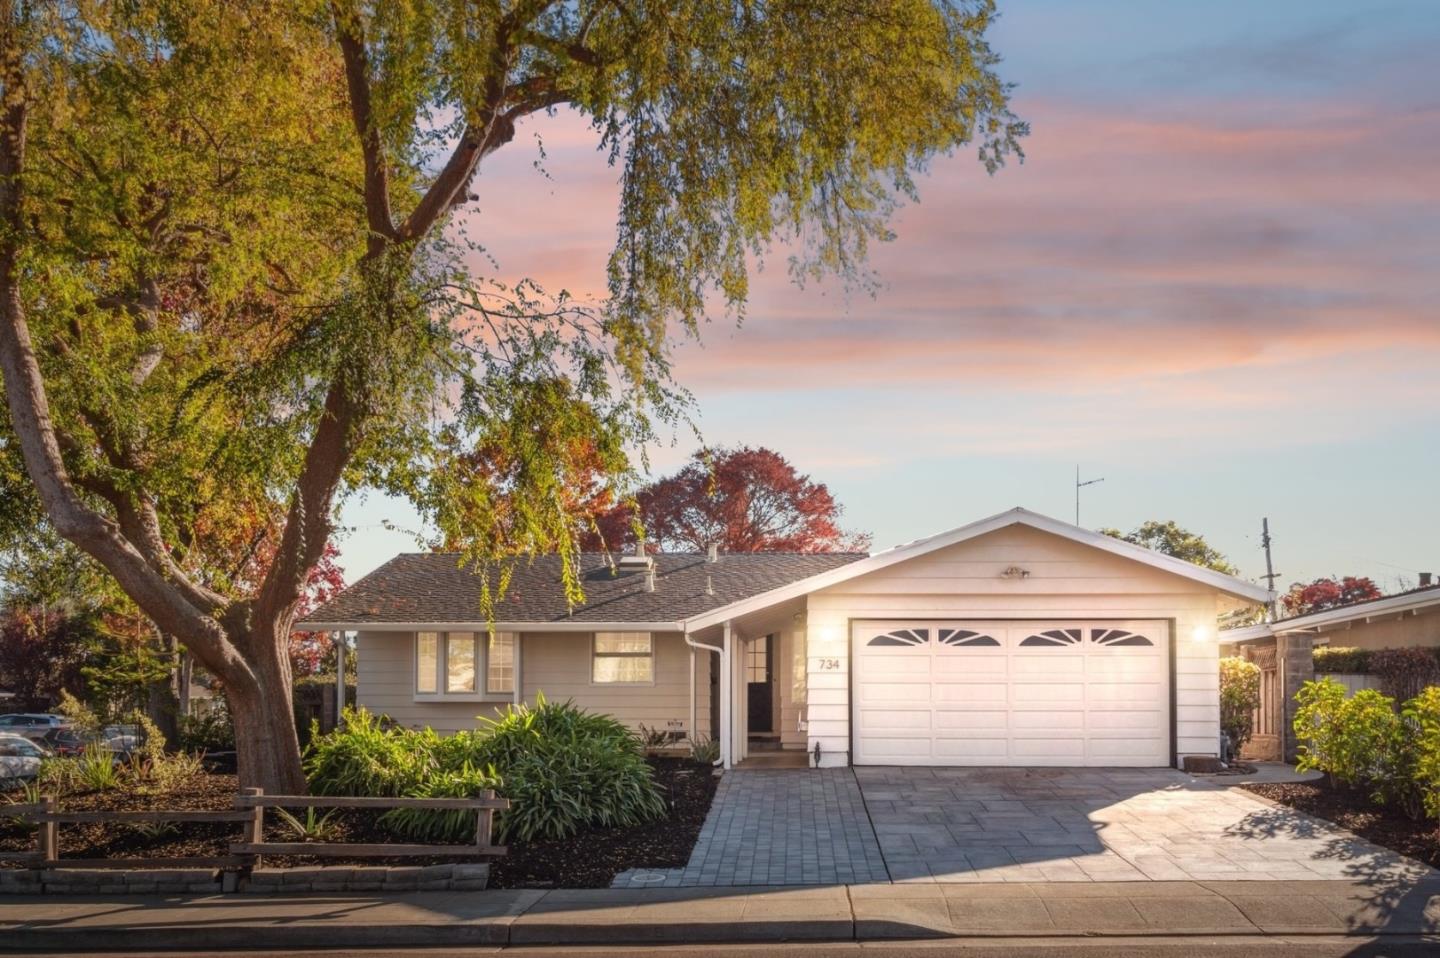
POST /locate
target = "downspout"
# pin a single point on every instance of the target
(694, 708)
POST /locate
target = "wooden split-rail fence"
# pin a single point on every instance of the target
(249, 815)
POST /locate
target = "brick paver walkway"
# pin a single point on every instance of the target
(779, 827)
(1037, 824)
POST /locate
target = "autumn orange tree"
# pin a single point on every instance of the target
(741, 499)
(231, 275)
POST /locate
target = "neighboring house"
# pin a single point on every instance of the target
(1015, 640)
(1284, 650)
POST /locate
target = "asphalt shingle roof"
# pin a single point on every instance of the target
(434, 587)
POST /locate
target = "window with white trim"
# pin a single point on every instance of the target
(623, 658)
(454, 664)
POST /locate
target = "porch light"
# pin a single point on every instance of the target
(1201, 633)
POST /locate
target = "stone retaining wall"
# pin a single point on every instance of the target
(260, 881)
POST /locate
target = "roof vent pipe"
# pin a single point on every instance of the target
(709, 586)
(1426, 578)
(650, 580)
(712, 554)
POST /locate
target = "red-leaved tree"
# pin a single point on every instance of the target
(743, 500)
(1328, 593)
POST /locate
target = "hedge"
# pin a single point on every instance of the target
(1334, 660)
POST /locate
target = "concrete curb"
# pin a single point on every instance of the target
(1010, 912)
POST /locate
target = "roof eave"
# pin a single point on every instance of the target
(483, 626)
(1228, 584)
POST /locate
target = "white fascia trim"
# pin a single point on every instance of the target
(1247, 632)
(485, 626)
(1219, 581)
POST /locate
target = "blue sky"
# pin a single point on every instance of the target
(1213, 282)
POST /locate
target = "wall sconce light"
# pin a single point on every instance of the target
(1201, 633)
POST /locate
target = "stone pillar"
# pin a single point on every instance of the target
(1295, 661)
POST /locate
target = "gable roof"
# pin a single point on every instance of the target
(431, 589)
(1218, 581)
(1412, 601)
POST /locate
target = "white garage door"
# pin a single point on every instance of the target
(1011, 693)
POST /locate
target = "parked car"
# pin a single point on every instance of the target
(20, 758)
(31, 724)
(68, 740)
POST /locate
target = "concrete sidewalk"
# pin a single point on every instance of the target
(830, 913)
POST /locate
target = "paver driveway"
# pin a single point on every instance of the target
(1037, 824)
(844, 826)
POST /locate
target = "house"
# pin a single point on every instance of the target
(1015, 640)
(1284, 651)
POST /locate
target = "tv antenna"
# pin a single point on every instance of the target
(1081, 485)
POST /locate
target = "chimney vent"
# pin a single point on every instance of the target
(637, 561)
(650, 581)
(1426, 579)
(712, 554)
(709, 586)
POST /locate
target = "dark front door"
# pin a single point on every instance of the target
(760, 684)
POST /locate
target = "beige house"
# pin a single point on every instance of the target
(1015, 640)
(1284, 650)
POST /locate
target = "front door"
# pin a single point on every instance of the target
(760, 685)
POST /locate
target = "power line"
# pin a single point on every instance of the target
(1081, 485)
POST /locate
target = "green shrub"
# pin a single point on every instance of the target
(364, 757)
(210, 731)
(1342, 660)
(1239, 698)
(1363, 742)
(1404, 673)
(705, 749)
(563, 769)
(96, 768)
(1423, 715)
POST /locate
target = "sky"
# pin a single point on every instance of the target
(1213, 282)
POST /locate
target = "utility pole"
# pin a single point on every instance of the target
(1270, 574)
(1081, 485)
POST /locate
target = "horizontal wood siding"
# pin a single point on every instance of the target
(555, 663)
(1066, 580)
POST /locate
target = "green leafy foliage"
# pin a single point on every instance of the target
(705, 749)
(1170, 539)
(1239, 698)
(1423, 714)
(1341, 661)
(211, 730)
(311, 827)
(563, 769)
(1364, 741)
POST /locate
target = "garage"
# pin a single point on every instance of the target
(1008, 692)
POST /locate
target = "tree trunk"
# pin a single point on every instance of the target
(267, 750)
(164, 699)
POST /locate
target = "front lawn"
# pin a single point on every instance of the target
(1353, 809)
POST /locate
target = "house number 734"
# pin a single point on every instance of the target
(829, 665)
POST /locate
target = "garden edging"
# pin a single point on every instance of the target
(262, 881)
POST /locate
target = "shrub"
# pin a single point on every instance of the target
(562, 768)
(210, 731)
(1404, 673)
(364, 757)
(96, 768)
(705, 749)
(1362, 741)
(1239, 698)
(1423, 715)
(1342, 660)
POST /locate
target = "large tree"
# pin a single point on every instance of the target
(227, 281)
(1170, 539)
(740, 500)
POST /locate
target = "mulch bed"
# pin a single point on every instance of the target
(1352, 809)
(589, 860)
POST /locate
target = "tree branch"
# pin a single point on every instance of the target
(372, 145)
